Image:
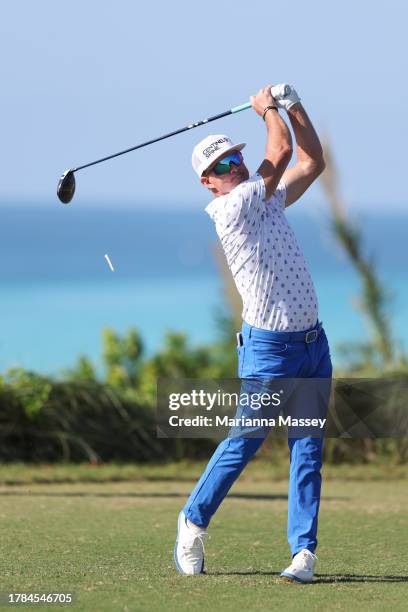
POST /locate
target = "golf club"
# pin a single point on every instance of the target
(66, 185)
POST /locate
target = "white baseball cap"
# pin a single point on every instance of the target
(210, 149)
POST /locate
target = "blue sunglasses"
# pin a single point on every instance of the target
(223, 166)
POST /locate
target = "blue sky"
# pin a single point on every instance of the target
(84, 79)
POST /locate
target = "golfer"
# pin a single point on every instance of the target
(281, 334)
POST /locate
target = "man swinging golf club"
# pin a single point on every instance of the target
(281, 335)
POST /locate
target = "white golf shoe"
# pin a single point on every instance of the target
(302, 567)
(189, 548)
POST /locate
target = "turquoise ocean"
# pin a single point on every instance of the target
(58, 292)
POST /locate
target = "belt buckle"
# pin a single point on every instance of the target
(311, 336)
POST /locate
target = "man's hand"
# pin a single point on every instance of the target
(262, 99)
(285, 96)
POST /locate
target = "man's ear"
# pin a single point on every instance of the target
(204, 180)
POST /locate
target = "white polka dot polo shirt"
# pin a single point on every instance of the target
(264, 257)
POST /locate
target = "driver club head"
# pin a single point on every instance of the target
(66, 187)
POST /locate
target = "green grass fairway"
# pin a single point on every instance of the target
(112, 544)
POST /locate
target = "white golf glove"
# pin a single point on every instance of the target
(284, 95)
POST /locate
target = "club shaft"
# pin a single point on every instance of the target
(236, 109)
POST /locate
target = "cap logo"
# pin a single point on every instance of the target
(214, 146)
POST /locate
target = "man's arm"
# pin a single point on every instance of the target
(310, 162)
(279, 142)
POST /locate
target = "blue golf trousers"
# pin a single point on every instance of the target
(268, 354)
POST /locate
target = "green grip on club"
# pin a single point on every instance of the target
(238, 109)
